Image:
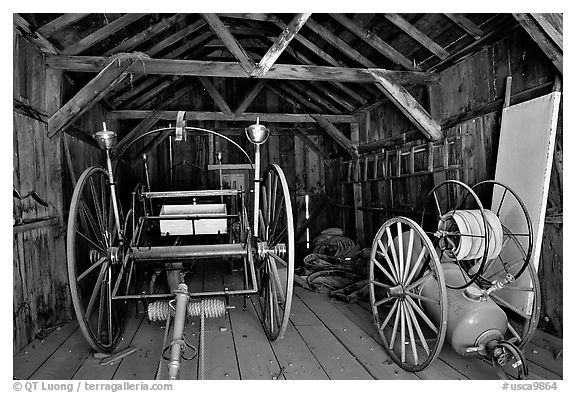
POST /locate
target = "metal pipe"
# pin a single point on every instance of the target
(145, 161)
(190, 193)
(182, 299)
(171, 160)
(250, 291)
(113, 195)
(219, 156)
(189, 251)
(256, 187)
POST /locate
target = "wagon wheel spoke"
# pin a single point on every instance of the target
(422, 298)
(92, 267)
(91, 276)
(423, 315)
(413, 319)
(389, 315)
(278, 269)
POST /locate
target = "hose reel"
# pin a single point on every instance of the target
(462, 275)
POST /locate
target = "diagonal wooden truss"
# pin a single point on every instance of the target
(287, 81)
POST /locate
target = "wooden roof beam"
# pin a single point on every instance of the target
(89, 95)
(235, 70)
(553, 26)
(101, 34)
(400, 97)
(304, 60)
(417, 35)
(27, 31)
(61, 22)
(144, 35)
(250, 97)
(219, 116)
(305, 104)
(280, 44)
(369, 37)
(538, 35)
(176, 52)
(336, 134)
(316, 97)
(141, 99)
(466, 24)
(216, 96)
(172, 39)
(228, 39)
(276, 90)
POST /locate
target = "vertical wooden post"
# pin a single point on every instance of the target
(357, 190)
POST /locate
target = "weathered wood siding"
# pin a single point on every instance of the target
(41, 296)
(467, 103)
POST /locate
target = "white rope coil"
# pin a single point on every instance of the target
(210, 308)
(471, 231)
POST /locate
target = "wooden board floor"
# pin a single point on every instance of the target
(324, 340)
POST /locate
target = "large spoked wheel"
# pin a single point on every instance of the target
(93, 263)
(407, 293)
(520, 299)
(276, 252)
(441, 217)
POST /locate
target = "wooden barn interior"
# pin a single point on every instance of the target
(366, 113)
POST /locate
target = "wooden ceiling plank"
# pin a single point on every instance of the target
(305, 103)
(554, 30)
(219, 116)
(216, 96)
(304, 60)
(316, 97)
(172, 39)
(371, 39)
(310, 143)
(101, 34)
(137, 89)
(335, 97)
(542, 40)
(21, 25)
(285, 97)
(466, 24)
(228, 39)
(336, 134)
(250, 97)
(416, 34)
(340, 44)
(144, 35)
(176, 52)
(150, 94)
(400, 97)
(60, 23)
(231, 69)
(280, 44)
(89, 95)
(257, 17)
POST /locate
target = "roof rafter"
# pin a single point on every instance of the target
(538, 35)
(228, 39)
(370, 38)
(280, 44)
(144, 35)
(400, 97)
(89, 95)
(27, 31)
(336, 134)
(100, 34)
(466, 24)
(59, 23)
(416, 34)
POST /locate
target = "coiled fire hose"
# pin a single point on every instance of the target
(164, 310)
(470, 231)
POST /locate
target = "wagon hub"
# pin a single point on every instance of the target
(397, 291)
(278, 249)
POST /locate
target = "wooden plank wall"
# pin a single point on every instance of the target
(472, 83)
(41, 296)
